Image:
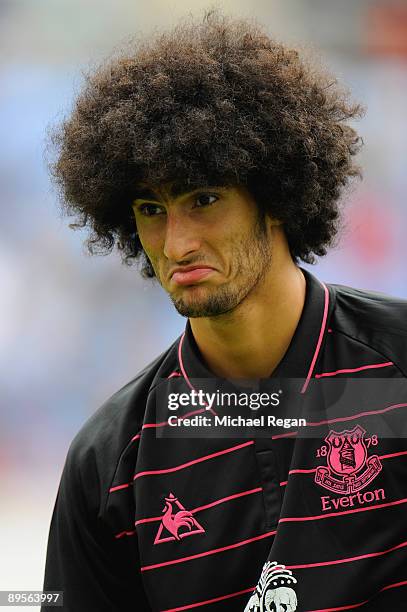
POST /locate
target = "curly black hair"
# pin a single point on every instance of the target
(208, 103)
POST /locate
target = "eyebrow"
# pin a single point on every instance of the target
(175, 191)
(145, 194)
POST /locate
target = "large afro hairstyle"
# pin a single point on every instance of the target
(210, 102)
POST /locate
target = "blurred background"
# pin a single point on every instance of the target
(74, 329)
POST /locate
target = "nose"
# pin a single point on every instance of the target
(182, 237)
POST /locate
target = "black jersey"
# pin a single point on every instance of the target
(313, 521)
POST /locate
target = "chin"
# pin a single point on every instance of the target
(194, 304)
(190, 300)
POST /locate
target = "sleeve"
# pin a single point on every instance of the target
(95, 571)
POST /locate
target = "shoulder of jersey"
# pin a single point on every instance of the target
(374, 319)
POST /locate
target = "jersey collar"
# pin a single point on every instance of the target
(303, 352)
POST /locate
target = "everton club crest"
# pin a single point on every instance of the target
(349, 468)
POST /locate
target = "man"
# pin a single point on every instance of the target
(218, 156)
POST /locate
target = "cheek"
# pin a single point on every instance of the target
(151, 243)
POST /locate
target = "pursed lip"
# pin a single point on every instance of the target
(190, 268)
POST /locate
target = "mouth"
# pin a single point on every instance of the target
(190, 274)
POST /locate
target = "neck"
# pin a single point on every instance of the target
(250, 341)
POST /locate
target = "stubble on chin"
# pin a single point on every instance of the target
(217, 304)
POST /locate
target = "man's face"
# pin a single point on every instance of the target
(209, 247)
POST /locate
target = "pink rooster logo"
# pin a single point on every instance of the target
(175, 520)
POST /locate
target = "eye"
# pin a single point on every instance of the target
(149, 210)
(205, 199)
